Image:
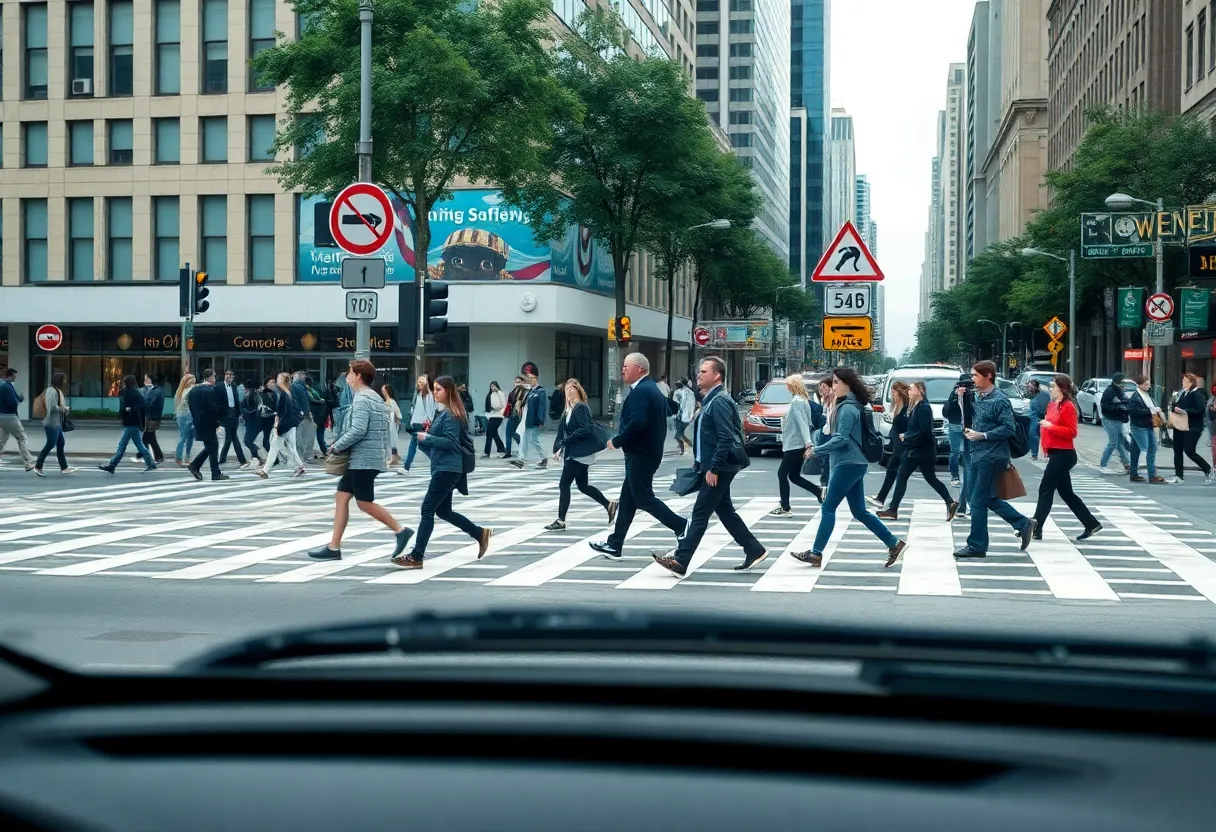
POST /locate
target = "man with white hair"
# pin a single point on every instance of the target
(642, 435)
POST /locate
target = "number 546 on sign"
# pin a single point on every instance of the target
(851, 299)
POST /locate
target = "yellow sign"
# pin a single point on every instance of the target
(1055, 328)
(848, 334)
(612, 329)
(1055, 347)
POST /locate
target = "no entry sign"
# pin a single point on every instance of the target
(700, 336)
(49, 337)
(361, 220)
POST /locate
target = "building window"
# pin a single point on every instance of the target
(214, 130)
(80, 142)
(119, 233)
(740, 139)
(122, 50)
(33, 234)
(121, 142)
(708, 96)
(740, 73)
(80, 239)
(707, 5)
(215, 46)
(742, 27)
(33, 139)
(707, 73)
(261, 238)
(168, 134)
(741, 50)
(708, 27)
(1201, 39)
(1, 58)
(261, 138)
(1190, 56)
(35, 50)
(261, 38)
(213, 212)
(741, 94)
(168, 47)
(740, 117)
(166, 229)
(707, 50)
(80, 59)
(740, 5)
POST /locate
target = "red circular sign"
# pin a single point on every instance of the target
(49, 337)
(701, 336)
(361, 219)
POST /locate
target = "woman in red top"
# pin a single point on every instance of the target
(1057, 431)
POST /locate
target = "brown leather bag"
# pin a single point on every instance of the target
(1009, 484)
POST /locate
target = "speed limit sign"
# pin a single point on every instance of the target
(847, 299)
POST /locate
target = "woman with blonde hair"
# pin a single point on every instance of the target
(185, 422)
(899, 426)
(287, 418)
(1191, 405)
(578, 442)
(796, 445)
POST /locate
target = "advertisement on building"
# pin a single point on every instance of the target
(475, 237)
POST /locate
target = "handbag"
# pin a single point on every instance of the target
(337, 463)
(68, 424)
(1180, 421)
(1009, 484)
(812, 466)
(687, 480)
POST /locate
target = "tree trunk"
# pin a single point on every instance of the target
(422, 244)
(671, 314)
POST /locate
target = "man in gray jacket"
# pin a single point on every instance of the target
(992, 426)
(718, 452)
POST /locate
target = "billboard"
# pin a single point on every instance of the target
(475, 237)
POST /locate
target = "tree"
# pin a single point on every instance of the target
(457, 93)
(618, 163)
(749, 277)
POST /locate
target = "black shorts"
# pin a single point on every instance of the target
(361, 483)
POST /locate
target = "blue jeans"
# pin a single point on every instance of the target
(131, 434)
(1032, 436)
(1144, 440)
(512, 425)
(983, 476)
(955, 432)
(1114, 441)
(54, 442)
(847, 482)
(185, 437)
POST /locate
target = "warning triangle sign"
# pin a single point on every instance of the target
(847, 258)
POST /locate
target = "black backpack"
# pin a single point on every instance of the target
(871, 442)
(1019, 443)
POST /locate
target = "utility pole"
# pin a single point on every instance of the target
(1158, 363)
(1072, 313)
(363, 328)
(188, 321)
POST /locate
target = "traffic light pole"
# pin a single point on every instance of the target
(363, 328)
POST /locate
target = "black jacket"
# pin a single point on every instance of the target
(1138, 412)
(1194, 404)
(287, 410)
(1114, 403)
(206, 407)
(577, 438)
(221, 390)
(131, 407)
(643, 423)
(718, 435)
(154, 403)
(899, 424)
(956, 413)
(919, 442)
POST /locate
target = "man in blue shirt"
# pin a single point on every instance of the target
(10, 422)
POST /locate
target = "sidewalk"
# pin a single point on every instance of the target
(1091, 440)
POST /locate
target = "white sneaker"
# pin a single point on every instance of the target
(1108, 472)
(68, 470)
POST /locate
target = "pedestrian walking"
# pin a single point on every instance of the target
(54, 422)
(686, 407)
(306, 431)
(532, 419)
(641, 436)
(961, 406)
(842, 441)
(394, 424)
(1039, 399)
(953, 414)
(718, 455)
(992, 426)
(919, 454)
(450, 448)
(1187, 420)
(207, 410)
(577, 442)
(827, 401)
(185, 422)
(513, 411)
(365, 439)
(796, 445)
(496, 403)
(422, 413)
(899, 426)
(286, 422)
(10, 422)
(230, 400)
(1058, 430)
(154, 411)
(1145, 418)
(1113, 406)
(251, 412)
(131, 412)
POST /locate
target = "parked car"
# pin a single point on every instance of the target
(939, 380)
(762, 425)
(1089, 398)
(1017, 398)
(1043, 377)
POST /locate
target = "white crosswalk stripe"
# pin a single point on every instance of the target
(247, 529)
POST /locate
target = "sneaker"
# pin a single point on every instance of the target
(325, 553)
(38, 472)
(556, 526)
(106, 468)
(1208, 480)
(956, 483)
(68, 470)
(611, 511)
(669, 563)
(895, 551)
(544, 463)
(483, 541)
(874, 501)
(780, 512)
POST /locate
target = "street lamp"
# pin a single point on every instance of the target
(1004, 328)
(715, 224)
(1122, 201)
(772, 360)
(1072, 299)
(718, 225)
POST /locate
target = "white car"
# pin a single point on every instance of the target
(939, 379)
(1020, 403)
(1089, 398)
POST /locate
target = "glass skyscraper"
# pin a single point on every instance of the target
(809, 169)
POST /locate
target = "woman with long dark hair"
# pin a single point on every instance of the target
(447, 443)
(57, 411)
(496, 403)
(1057, 432)
(848, 468)
(899, 426)
(131, 411)
(919, 453)
(576, 442)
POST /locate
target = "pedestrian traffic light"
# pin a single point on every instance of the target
(185, 292)
(622, 328)
(407, 314)
(435, 307)
(200, 293)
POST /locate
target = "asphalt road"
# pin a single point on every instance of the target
(142, 570)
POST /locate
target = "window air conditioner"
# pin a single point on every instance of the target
(82, 86)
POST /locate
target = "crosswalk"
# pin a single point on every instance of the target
(258, 532)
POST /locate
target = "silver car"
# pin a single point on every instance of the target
(939, 380)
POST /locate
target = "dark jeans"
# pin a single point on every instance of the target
(637, 492)
(492, 436)
(267, 430)
(575, 472)
(1185, 443)
(982, 482)
(54, 439)
(710, 501)
(889, 478)
(1056, 477)
(926, 467)
(131, 434)
(438, 503)
(231, 430)
(211, 451)
(847, 482)
(681, 439)
(151, 444)
(253, 426)
(321, 437)
(512, 424)
(790, 471)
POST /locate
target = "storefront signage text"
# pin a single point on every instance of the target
(259, 343)
(169, 341)
(376, 344)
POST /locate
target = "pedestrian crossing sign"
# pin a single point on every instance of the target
(847, 258)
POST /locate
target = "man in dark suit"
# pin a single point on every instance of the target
(230, 400)
(718, 452)
(206, 409)
(642, 435)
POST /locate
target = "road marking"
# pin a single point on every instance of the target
(1067, 573)
(929, 567)
(1193, 567)
(93, 540)
(788, 574)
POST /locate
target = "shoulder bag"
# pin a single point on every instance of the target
(337, 463)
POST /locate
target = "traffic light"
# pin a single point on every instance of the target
(185, 292)
(435, 307)
(622, 329)
(407, 315)
(200, 293)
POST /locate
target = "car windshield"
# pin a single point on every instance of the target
(776, 393)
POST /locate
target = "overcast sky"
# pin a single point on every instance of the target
(890, 59)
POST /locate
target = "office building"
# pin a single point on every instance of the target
(983, 118)
(842, 193)
(810, 119)
(1199, 59)
(953, 179)
(932, 272)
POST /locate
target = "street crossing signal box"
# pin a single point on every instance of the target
(192, 293)
(434, 303)
(619, 329)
